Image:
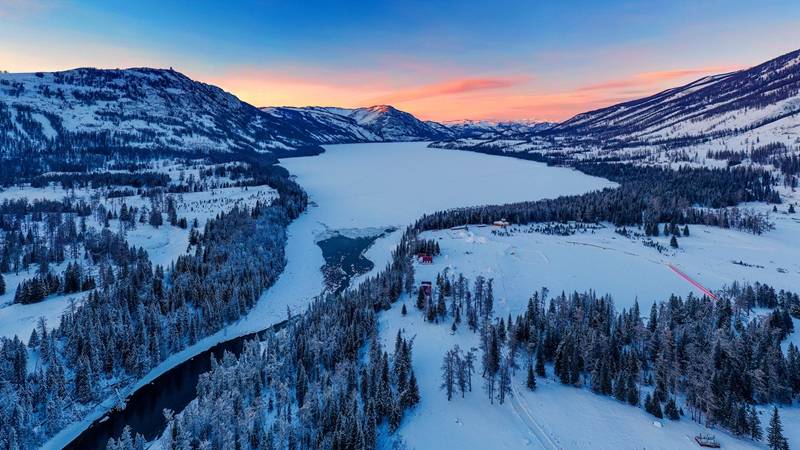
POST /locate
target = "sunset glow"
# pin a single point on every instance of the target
(519, 66)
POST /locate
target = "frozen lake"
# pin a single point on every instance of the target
(373, 185)
(361, 188)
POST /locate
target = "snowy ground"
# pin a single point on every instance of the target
(361, 186)
(563, 417)
(552, 417)
(163, 244)
(610, 263)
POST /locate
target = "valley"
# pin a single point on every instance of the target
(183, 270)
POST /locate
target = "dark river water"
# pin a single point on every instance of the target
(176, 388)
(344, 259)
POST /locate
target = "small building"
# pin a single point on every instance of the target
(502, 223)
(426, 287)
(706, 440)
(424, 258)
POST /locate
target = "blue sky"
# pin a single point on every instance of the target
(439, 59)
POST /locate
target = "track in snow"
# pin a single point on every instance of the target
(692, 282)
(530, 421)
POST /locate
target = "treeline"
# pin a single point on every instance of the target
(97, 180)
(41, 238)
(646, 196)
(311, 386)
(139, 315)
(776, 153)
(11, 209)
(40, 286)
(715, 355)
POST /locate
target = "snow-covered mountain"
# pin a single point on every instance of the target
(767, 95)
(324, 125)
(392, 124)
(490, 129)
(135, 108)
(381, 123)
(743, 111)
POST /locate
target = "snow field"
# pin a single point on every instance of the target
(552, 417)
(556, 416)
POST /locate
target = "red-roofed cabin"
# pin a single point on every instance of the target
(424, 258)
(426, 287)
(501, 223)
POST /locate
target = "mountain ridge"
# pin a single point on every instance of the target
(711, 106)
(138, 108)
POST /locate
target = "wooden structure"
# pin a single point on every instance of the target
(706, 440)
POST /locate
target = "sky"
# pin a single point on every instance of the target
(440, 60)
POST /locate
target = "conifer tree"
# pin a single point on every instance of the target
(671, 410)
(775, 438)
(531, 380)
(540, 369)
(754, 424)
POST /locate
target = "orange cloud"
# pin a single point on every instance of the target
(453, 87)
(537, 102)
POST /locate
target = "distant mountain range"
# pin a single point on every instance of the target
(493, 129)
(739, 111)
(155, 109)
(766, 95)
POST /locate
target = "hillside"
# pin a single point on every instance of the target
(382, 123)
(708, 108)
(722, 119)
(137, 108)
(324, 126)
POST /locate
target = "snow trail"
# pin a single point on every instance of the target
(530, 421)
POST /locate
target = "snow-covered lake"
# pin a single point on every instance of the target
(376, 186)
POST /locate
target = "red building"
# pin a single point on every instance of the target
(424, 258)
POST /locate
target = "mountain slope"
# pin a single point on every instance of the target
(391, 124)
(135, 108)
(382, 123)
(323, 125)
(751, 115)
(709, 108)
